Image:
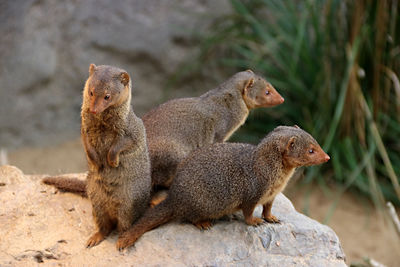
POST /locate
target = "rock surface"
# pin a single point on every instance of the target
(40, 225)
(46, 48)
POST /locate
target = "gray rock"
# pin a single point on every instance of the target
(41, 225)
(47, 47)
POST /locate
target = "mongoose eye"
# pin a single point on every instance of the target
(107, 97)
(267, 92)
(311, 151)
(91, 93)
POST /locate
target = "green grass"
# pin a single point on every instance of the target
(337, 64)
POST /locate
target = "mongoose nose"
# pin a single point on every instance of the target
(327, 158)
(93, 111)
(282, 100)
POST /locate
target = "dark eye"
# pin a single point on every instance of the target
(267, 92)
(107, 97)
(91, 93)
(311, 151)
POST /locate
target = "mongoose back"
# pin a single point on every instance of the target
(222, 178)
(179, 126)
(118, 182)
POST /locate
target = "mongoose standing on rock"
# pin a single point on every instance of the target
(118, 182)
(179, 126)
(222, 178)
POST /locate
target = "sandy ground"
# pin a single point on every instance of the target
(359, 226)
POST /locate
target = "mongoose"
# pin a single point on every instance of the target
(118, 181)
(222, 178)
(179, 126)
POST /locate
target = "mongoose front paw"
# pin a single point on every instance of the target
(254, 221)
(95, 240)
(113, 159)
(272, 219)
(123, 242)
(203, 225)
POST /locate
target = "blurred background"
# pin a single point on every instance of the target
(336, 63)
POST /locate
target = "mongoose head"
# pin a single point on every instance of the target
(257, 92)
(106, 86)
(298, 148)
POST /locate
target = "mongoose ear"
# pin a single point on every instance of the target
(290, 143)
(249, 70)
(248, 84)
(296, 126)
(92, 68)
(125, 78)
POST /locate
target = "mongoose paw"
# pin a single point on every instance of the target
(203, 225)
(254, 221)
(272, 219)
(95, 240)
(113, 160)
(158, 198)
(123, 242)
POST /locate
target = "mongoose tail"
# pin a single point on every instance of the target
(66, 184)
(76, 186)
(152, 218)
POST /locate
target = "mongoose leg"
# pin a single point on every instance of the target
(158, 197)
(203, 225)
(267, 213)
(105, 226)
(248, 216)
(124, 223)
(120, 144)
(125, 217)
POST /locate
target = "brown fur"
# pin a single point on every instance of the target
(179, 126)
(68, 184)
(118, 182)
(223, 178)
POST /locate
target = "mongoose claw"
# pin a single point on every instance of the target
(123, 243)
(94, 240)
(204, 225)
(254, 221)
(113, 160)
(272, 219)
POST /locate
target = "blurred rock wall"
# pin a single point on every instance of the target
(46, 48)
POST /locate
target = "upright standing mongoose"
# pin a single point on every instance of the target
(118, 182)
(222, 178)
(179, 126)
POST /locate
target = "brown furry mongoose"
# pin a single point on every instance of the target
(114, 139)
(222, 178)
(179, 126)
